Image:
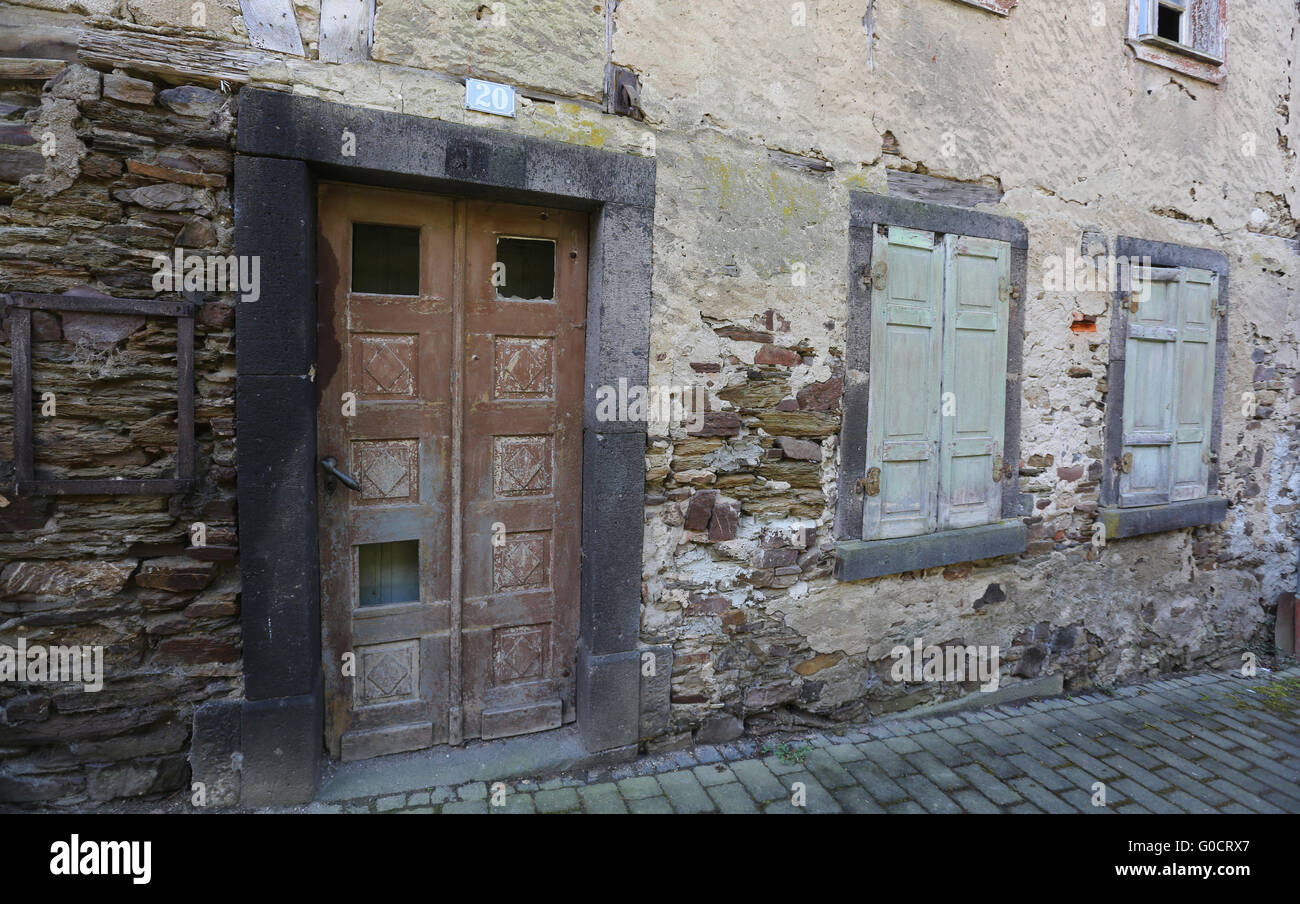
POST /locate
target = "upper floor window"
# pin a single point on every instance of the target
(1189, 36)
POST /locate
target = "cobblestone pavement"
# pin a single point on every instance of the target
(1199, 744)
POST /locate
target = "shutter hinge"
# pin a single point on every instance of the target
(1221, 310)
(1124, 464)
(1209, 458)
(876, 277)
(997, 469)
(1133, 302)
(870, 485)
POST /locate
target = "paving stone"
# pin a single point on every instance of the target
(856, 800)
(902, 745)
(473, 791)
(1040, 796)
(946, 753)
(515, 803)
(828, 770)
(817, 798)
(974, 802)
(782, 806)
(990, 785)
(556, 800)
(685, 792)
(907, 807)
(759, 780)
(639, 788)
(718, 774)
(890, 762)
(393, 802)
(602, 798)
(881, 786)
(1156, 803)
(844, 753)
(937, 772)
(466, 806)
(928, 794)
(1040, 773)
(1253, 801)
(732, 798)
(650, 805)
(708, 754)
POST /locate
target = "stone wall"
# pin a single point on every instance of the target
(762, 117)
(138, 168)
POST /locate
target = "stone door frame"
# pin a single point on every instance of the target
(286, 143)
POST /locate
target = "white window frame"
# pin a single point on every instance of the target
(1192, 54)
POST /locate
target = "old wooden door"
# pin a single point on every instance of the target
(450, 369)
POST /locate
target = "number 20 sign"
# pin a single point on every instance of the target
(489, 97)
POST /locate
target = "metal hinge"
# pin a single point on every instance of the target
(870, 485)
(997, 469)
(1124, 464)
(1133, 302)
(876, 276)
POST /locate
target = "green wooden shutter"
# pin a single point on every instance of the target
(1194, 377)
(977, 296)
(1150, 355)
(903, 406)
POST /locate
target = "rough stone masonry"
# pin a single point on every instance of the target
(762, 119)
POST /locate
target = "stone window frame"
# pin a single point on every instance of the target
(857, 559)
(1187, 59)
(286, 143)
(1132, 521)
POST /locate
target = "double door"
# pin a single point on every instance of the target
(450, 374)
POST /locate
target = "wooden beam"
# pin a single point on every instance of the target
(178, 57)
(272, 25)
(346, 30)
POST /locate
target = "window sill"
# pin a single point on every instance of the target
(1153, 519)
(857, 560)
(1181, 59)
(1001, 7)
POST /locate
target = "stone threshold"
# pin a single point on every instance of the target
(544, 753)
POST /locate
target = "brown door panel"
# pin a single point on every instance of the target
(468, 399)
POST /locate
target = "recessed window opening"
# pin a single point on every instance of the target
(1169, 23)
(385, 259)
(524, 269)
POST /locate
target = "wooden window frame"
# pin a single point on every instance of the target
(856, 558)
(20, 306)
(1192, 55)
(1127, 521)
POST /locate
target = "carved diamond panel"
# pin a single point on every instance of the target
(519, 653)
(388, 470)
(523, 368)
(387, 672)
(384, 365)
(521, 465)
(523, 563)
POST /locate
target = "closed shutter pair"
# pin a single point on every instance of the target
(1168, 385)
(937, 396)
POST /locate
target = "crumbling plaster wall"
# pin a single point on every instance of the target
(1047, 104)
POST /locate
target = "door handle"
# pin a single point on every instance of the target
(346, 480)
